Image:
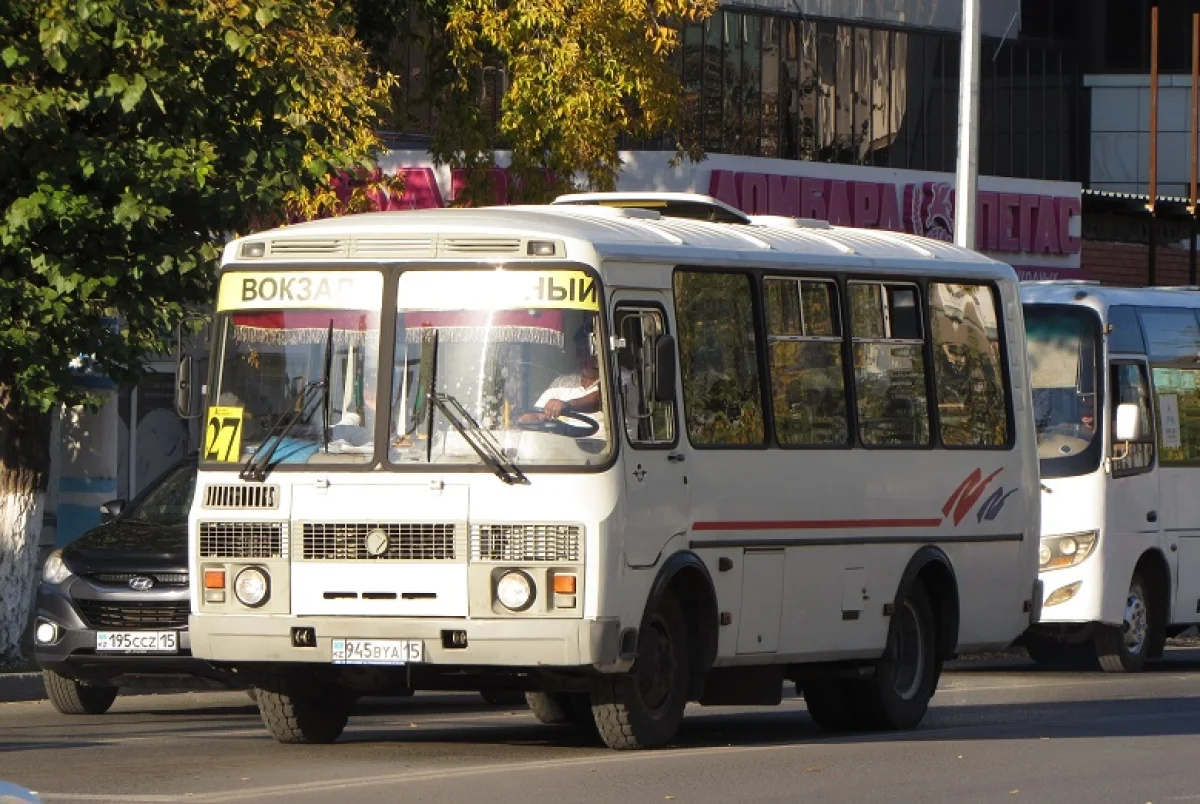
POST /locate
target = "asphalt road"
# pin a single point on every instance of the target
(998, 731)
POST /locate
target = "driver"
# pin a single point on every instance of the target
(571, 393)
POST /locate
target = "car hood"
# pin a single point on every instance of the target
(129, 546)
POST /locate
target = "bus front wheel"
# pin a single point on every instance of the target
(1123, 648)
(643, 708)
(907, 674)
(304, 710)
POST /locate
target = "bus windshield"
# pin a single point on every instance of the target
(298, 366)
(1063, 345)
(499, 366)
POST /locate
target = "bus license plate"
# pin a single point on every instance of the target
(137, 641)
(378, 651)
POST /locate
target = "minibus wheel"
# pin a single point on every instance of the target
(1123, 648)
(298, 712)
(643, 708)
(562, 707)
(906, 675)
(831, 703)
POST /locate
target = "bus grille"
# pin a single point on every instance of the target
(233, 496)
(523, 543)
(408, 541)
(243, 540)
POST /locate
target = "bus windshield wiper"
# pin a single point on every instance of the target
(479, 439)
(258, 465)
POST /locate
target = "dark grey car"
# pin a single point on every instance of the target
(113, 605)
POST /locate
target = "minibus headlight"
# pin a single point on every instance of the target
(1058, 552)
(514, 590)
(252, 587)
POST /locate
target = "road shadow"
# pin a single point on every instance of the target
(791, 725)
(1175, 660)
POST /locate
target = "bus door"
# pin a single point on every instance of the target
(1132, 508)
(656, 503)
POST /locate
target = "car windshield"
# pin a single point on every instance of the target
(298, 367)
(168, 501)
(499, 366)
(1062, 345)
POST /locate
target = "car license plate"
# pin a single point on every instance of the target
(137, 641)
(378, 651)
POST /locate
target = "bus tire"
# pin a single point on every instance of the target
(74, 698)
(644, 707)
(557, 708)
(304, 713)
(906, 676)
(831, 704)
(1123, 648)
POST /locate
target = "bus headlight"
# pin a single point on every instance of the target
(1058, 552)
(515, 590)
(252, 587)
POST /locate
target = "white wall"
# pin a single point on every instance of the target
(1120, 159)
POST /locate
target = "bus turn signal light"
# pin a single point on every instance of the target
(214, 579)
(564, 584)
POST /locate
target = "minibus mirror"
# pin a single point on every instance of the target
(664, 369)
(183, 387)
(1128, 423)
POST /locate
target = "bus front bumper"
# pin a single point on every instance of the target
(489, 643)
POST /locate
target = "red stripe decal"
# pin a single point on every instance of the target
(819, 524)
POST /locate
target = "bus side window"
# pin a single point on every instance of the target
(968, 369)
(889, 363)
(1130, 386)
(647, 422)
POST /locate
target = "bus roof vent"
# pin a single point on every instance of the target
(784, 222)
(398, 247)
(481, 245)
(670, 205)
(298, 248)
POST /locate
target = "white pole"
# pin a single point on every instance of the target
(967, 172)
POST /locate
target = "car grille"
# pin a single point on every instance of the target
(135, 614)
(521, 543)
(405, 541)
(122, 578)
(243, 540)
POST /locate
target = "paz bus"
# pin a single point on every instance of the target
(1117, 408)
(617, 452)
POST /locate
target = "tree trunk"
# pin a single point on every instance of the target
(24, 471)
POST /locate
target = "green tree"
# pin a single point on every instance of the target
(569, 79)
(135, 135)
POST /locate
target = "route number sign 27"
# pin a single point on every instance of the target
(223, 434)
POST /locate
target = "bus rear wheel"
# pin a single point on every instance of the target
(556, 708)
(906, 677)
(643, 708)
(1123, 648)
(303, 711)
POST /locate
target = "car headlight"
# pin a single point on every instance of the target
(1058, 552)
(514, 590)
(252, 587)
(55, 569)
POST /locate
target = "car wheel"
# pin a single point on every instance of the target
(72, 697)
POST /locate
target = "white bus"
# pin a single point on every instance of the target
(1116, 401)
(621, 453)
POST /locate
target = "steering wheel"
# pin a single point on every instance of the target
(557, 427)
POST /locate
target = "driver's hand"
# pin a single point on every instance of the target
(531, 418)
(554, 408)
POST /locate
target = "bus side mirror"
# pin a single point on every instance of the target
(664, 369)
(183, 387)
(1128, 423)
